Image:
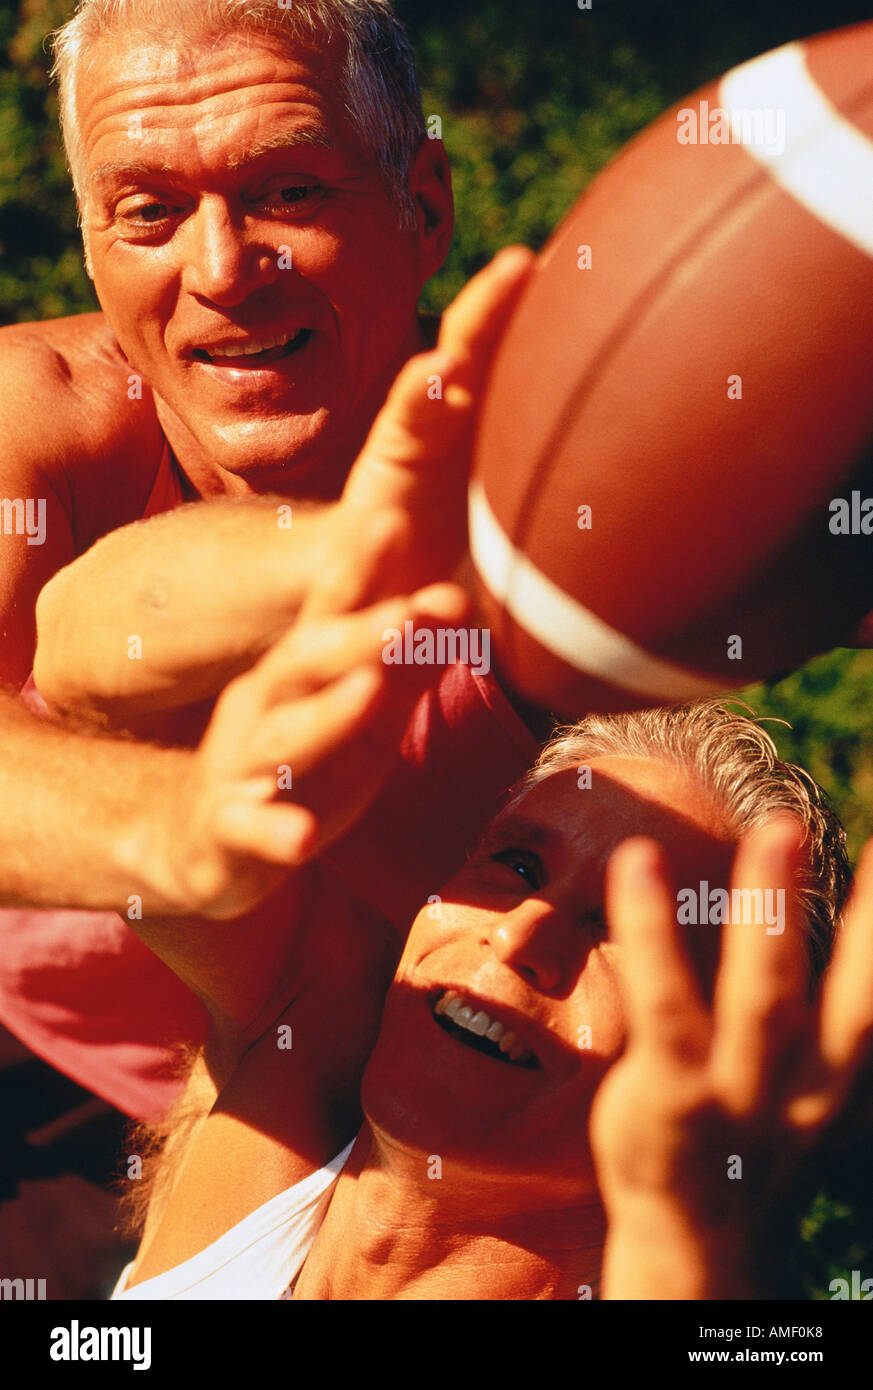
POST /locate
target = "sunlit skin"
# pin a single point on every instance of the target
(241, 156)
(520, 932)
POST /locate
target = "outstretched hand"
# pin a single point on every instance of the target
(705, 1128)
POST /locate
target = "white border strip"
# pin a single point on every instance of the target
(826, 163)
(563, 626)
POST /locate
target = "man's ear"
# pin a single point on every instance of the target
(430, 187)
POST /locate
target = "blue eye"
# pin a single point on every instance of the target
(526, 866)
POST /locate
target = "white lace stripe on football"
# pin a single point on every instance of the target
(826, 163)
(563, 626)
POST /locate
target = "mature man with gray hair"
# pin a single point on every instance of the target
(257, 196)
(260, 209)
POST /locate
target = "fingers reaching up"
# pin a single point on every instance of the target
(405, 504)
(665, 1013)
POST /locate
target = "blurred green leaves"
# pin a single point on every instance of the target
(41, 270)
(828, 705)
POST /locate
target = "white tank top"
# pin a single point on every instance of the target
(260, 1257)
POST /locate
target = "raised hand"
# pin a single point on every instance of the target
(705, 1128)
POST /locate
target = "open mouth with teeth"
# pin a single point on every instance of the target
(256, 353)
(482, 1032)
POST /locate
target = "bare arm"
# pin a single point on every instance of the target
(84, 820)
(96, 822)
(164, 612)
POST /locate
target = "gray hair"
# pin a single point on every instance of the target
(738, 763)
(379, 86)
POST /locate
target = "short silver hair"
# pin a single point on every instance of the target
(379, 86)
(739, 765)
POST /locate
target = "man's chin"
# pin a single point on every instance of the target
(475, 1124)
(304, 468)
(428, 1119)
(305, 457)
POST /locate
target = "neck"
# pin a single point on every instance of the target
(393, 1233)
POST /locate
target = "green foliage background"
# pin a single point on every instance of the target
(534, 98)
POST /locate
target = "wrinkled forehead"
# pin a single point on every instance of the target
(583, 812)
(139, 53)
(147, 91)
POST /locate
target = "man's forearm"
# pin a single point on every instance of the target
(87, 822)
(166, 611)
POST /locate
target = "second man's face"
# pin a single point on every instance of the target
(507, 1008)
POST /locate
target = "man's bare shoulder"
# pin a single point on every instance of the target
(73, 408)
(77, 354)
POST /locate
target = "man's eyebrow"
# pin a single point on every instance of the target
(120, 168)
(283, 140)
(512, 828)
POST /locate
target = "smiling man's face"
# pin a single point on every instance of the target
(247, 254)
(506, 1009)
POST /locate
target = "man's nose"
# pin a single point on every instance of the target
(535, 940)
(223, 263)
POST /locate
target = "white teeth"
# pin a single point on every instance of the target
(515, 1050)
(248, 349)
(443, 1003)
(478, 1022)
